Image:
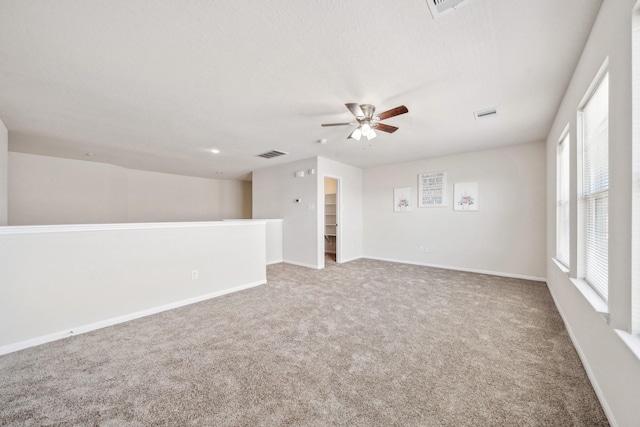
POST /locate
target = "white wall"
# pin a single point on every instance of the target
(506, 236)
(50, 190)
(350, 245)
(274, 192)
(273, 237)
(76, 278)
(4, 174)
(612, 367)
(156, 196)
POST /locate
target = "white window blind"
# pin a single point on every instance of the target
(595, 188)
(635, 290)
(562, 202)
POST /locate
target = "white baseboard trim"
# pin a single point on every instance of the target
(585, 364)
(278, 261)
(21, 345)
(342, 261)
(469, 270)
(300, 264)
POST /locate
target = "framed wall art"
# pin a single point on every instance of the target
(402, 199)
(431, 189)
(465, 196)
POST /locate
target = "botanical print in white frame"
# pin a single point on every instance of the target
(402, 199)
(465, 196)
(431, 189)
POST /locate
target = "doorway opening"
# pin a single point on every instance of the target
(331, 220)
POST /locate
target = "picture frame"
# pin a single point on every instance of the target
(465, 196)
(431, 189)
(402, 199)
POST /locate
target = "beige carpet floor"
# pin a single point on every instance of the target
(367, 343)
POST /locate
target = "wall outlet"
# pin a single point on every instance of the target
(424, 249)
(194, 274)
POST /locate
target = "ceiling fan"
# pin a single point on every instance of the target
(367, 120)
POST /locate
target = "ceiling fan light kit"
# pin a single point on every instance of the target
(368, 122)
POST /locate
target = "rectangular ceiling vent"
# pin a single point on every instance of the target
(485, 114)
(442, 7)
(273, 153)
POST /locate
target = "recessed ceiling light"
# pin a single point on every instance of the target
(215, 151)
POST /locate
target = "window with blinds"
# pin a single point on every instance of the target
(635, 253)
(595, 188)
(562, 202)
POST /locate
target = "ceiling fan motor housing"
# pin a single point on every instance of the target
(367, 121)
(368, 110)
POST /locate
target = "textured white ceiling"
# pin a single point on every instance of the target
(154, 84)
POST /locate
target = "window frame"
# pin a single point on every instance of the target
(593, 255)
(563, 199)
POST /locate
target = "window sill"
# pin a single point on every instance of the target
(561, 266)
(632, 341)
(592, 297)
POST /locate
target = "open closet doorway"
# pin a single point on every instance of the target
(331, 220)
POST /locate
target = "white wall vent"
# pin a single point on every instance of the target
(442, 7)
(273, 153)
(485, 114)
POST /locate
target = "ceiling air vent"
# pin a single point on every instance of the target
(485, 114)
(273, 153)
(442, 7)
